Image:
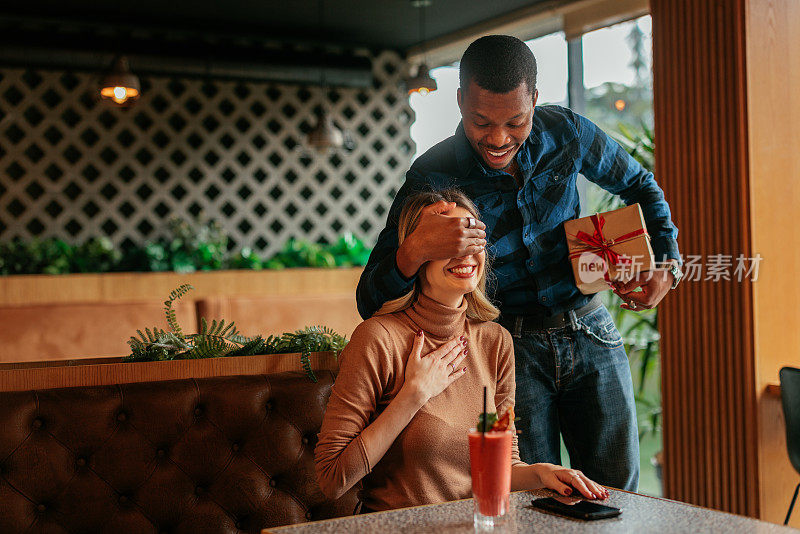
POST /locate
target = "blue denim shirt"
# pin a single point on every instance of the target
(524, 226)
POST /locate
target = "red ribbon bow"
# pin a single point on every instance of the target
(599, 245)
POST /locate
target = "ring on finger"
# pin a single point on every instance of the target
(471, 222)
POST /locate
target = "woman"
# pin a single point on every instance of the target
(410, 386)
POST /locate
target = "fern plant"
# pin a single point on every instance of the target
(223, 339)
(305, 341)
(172, 319)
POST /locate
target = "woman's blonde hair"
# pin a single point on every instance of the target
(478, 305)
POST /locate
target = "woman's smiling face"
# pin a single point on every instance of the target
(448, 280)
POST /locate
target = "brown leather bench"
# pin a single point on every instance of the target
(223, 454)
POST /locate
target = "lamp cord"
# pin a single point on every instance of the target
(321, 19)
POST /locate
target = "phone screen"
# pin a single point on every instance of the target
(576, 508)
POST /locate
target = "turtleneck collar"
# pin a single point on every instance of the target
(436, 318)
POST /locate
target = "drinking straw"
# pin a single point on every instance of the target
(483, 426)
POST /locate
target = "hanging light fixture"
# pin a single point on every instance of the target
(120, 85)
(324, 135)
(422, 82)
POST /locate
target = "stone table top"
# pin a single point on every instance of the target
(640, 513)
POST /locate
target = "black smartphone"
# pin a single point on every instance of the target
(580, 509)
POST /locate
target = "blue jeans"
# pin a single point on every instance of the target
(576, 380)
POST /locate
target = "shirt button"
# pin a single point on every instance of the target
(544, 299)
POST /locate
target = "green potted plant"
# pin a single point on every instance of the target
(221, 340)
(188, 248)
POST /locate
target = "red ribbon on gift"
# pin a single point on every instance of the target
(597, 243)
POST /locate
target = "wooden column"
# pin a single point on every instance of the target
(726, 134)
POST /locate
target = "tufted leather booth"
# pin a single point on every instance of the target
(223, 454)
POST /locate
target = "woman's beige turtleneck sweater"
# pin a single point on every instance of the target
(429, 461)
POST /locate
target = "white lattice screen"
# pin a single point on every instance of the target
(75, 168)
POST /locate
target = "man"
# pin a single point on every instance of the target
(519, 164)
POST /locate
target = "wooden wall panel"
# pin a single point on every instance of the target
(91, 315)
(726, 73)
(25, 290)
(277, 314)
(773, 66)
(707, 327)
(72, 330)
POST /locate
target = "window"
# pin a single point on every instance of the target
(438, 114)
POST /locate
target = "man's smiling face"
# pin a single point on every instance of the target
(497, 124)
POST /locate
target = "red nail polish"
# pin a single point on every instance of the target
(465, 368)
(567, 491)
(419, 334)
(461, 338)
(466, 351)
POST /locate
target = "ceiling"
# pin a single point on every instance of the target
(376, 24)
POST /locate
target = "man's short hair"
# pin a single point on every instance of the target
(498, 63)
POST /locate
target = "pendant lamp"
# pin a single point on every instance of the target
(325, 134)
(120, 86)
(422, 82)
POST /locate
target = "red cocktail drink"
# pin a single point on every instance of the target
(490, 463)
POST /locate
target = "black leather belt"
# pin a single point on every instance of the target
(527, 323)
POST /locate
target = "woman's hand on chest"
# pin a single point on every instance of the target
(427, 375)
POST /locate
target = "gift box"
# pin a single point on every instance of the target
(610, 246)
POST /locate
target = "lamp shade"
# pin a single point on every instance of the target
(422, 83)
(120, 85)
(325, 134)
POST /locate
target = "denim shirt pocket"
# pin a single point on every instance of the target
(555, 190)
(490, 207)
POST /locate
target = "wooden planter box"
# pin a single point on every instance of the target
(106, 371)
(55, 317)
